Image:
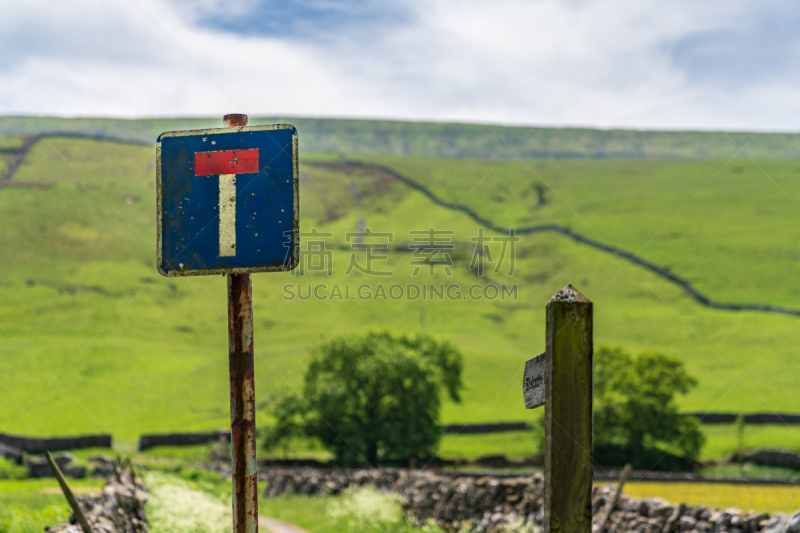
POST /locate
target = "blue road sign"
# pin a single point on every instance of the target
(227, 200)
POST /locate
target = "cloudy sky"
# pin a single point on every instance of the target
(676, 64)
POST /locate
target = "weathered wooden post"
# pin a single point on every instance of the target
(80, 518)
(614, 499)
(561, 379)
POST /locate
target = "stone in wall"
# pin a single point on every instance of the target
(10, 453)
(39, 467)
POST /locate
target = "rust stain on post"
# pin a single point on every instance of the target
(243, 407)
(243, 400)
(235, 119)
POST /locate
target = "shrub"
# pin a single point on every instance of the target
(636, 418)
(372, 397)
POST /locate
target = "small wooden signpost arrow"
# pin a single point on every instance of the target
(561, 379)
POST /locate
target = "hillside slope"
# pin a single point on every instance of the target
(92, 339)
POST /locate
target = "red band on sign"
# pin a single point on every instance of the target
(226, 162)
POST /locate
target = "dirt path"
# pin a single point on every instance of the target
(75, 490)
(276, 526)
(272, 525)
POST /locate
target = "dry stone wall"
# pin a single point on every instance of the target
(489, 504)
(119, 508)
(36, 445)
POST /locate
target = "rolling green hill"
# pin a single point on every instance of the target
(451, 140)
(93, 339)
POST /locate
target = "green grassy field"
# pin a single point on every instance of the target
(92, 339)
(29, 505)
(722, 439)
(723, 225)
(759, 498)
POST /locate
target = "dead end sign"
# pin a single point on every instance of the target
(227, 200)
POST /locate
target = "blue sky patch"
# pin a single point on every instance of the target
(305, 19)
(763, 47)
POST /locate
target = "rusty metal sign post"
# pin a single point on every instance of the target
(243, 396)
(242, 182)
(561, 380)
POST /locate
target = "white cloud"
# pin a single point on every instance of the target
(605, 64)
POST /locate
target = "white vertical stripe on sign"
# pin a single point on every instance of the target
(227, 215)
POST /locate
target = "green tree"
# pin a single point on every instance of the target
(635, 408)
(372, 397)
(541, 193)
(740, 426)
